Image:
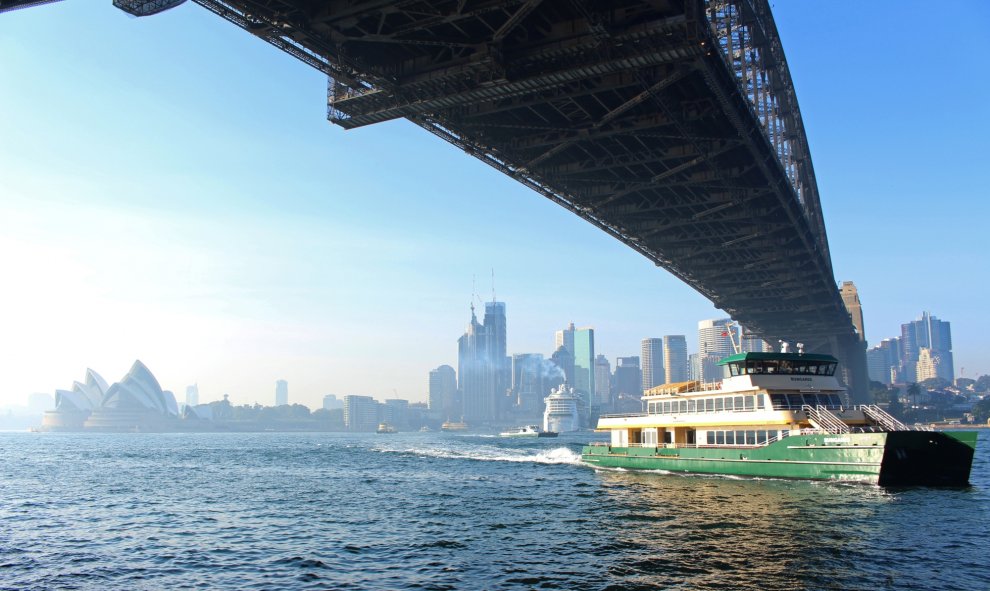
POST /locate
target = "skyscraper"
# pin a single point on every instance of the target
(443, 392)
(628, 377)
(192, 395)
(930, 333)
(715, 338)
(675, 358)
(584, 364)
(651, 358)
(361, 413)
(565, 338)
(530, 382)
(850, 297)
(483, 369)
(603, 381)
(281, 393)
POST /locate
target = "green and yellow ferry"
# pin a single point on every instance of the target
(779, 415)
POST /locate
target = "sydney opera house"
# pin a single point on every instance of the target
(135, 403)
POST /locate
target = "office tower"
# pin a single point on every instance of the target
(651, 357)
(192, 395)
(483, 370)
(443, 393)
(564, 360)
(628, 378)
(715, 342)
(395, 412)
(850, 297)
(330, 402)
(530, 379)
(360, 413)
(675, 358)
(584, 364)
(281, 393)
(930, 333)
(694, 367)
(750, 343)
(884, 360)
(565, 338)
(603, 381)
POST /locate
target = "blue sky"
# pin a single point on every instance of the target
(170, 190)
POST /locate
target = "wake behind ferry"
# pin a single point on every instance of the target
(779, 415)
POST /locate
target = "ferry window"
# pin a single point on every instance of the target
(830, 369)
(760, 403)
(835, 399)
(794, 400)
(666, 408)
(709, 404)
(770, 368)
(779, 401)
(718, 404)
(720, 438)
(739, 402)
(730, 437)
(711, 438)
(691, 405)
(740, 437)
(733, 369)
(750, 437)
(749, 402)
(761, 437)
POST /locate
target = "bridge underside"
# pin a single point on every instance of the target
(670, 124)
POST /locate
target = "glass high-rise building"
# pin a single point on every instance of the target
(584, 364)
(442, 396)
(628, 377)
(651, 359)
(715, 338)
(603, 381)
(532, 379)
(927, 332)
(675, 358)
(281, 393)
(483, 370)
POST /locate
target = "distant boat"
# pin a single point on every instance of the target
(528, 431)
(385, 428)
(425, 429)
(454, 426)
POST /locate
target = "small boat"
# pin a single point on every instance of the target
(425, 429)
(454, 426)
(385, 428)
(528, 431)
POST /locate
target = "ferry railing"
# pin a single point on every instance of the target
(822, 418)
(887, 421)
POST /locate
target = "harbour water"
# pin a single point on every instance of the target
(445, 511)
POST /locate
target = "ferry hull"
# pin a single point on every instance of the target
(903, 458)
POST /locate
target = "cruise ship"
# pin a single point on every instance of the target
(562, 412)
(779, 415)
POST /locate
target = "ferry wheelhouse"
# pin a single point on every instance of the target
(782, 415)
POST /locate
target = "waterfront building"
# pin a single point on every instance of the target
(395, 412)
(330, 402)
(361, 413)
(603, 382)
(850, 297)
(442, 396)
(883, 361)
(192, 395)
(675, 358)
(651, 357)
(281, 393)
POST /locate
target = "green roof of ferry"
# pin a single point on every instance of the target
(776, 357)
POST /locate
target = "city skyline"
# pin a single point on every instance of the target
(230, 263)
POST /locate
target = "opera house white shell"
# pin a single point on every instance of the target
(135, 403)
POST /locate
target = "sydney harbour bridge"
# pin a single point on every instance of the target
(672, 125)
